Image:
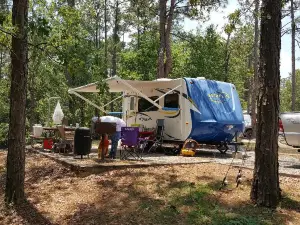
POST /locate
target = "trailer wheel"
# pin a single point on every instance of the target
(248, 134)
(223, 148)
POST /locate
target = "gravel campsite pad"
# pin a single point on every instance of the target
(289, 164)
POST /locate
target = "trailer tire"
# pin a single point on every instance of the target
(222, 148)
(248, 133)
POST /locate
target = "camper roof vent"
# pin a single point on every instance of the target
(201, 78)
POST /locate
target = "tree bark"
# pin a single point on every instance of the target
(255, 66)
(105, 59)
(105, 37)
(116, 42)
(14, 191)
(116, 39)
(293, 56)
(138, 27)
(162, 35)
(265, 186)
(227, 57)
(248, 84)
(168, 65)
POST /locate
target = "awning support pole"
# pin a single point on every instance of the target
(88, 101)
(113, 100)
(138, 92)
(167, 93)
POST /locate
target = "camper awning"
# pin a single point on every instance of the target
(89, 88)
(117, 84)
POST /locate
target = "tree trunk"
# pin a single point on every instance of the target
(248, 84)
(116, 42)
(255, 66)
(116, 39)
(293, 56)
(138, 27)
(31, 87)
(105, 37)
(168, 65)
(265, 186)
(162, 35)
(227, 57)
(14, 191)
(82, 112)
(105, 57)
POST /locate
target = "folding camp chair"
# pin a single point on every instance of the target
(158, 136)
(66, 141)
(131, 144)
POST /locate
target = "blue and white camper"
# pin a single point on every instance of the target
(206, 111)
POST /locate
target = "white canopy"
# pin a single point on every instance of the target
(117, 84)
(89, 88)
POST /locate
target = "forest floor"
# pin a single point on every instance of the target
(186, 194)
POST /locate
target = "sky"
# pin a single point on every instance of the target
(218, 18)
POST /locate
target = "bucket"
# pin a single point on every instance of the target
(48, 143)
(37, 130)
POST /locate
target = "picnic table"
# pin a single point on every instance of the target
(34, 140)
(56, 129)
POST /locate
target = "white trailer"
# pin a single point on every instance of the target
(204, 110)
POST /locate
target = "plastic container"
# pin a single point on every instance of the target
(37, 130)
(187, 152)
(48, 143)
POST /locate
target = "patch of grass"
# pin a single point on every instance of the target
(199, 204)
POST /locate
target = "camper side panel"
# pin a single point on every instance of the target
(220, 114)
(138, 110)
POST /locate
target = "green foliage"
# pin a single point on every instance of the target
(241, 69)
(286, 93)
(140, 63)
(4, 100)
(233, 20)
(199, 204)
(40, 27)
(66, 49)
(3, 134)
(206, 57)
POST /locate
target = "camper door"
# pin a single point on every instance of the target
(130, 106)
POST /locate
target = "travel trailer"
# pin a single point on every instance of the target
(206, 111)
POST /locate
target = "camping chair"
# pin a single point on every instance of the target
(131, 144)
(158, 136)
(66, 140)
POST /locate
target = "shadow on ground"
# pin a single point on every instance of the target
(173, 201)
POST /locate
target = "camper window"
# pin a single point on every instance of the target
(172, 101)
(146, 106)
(131, 103)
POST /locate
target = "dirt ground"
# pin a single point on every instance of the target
(155, 195)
